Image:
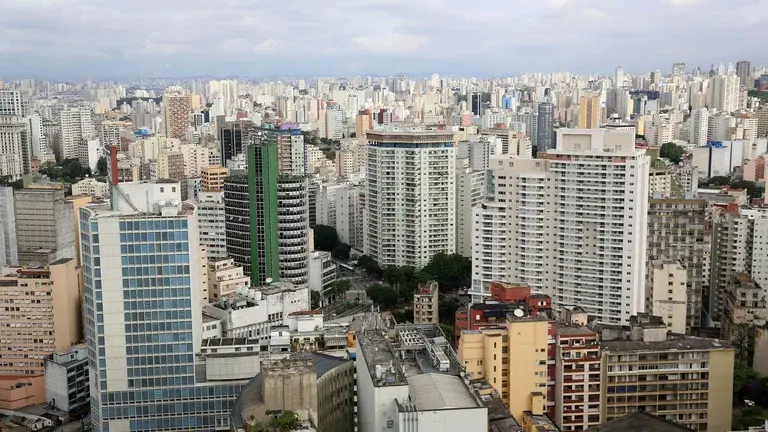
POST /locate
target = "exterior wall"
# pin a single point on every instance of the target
(470, 192)
(213, 178)
(211, 218)
(528, 343)
(448, 420)
(577, 387)
(36, 218)
(720, 390)
(336, 399)
(322, 271)
(9, 249)
(295, 392)
(667, 294)
(17, 392)
(375, 405)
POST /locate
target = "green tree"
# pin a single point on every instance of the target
(449, 331)
(340, 286)
(101, 166)
(446, 309)
(672, 151)
(370, 266)
(341, 251)
(287, 421)
(450, 271)
(326, 238)
(403, 315)
(743, 374)
(385, 297)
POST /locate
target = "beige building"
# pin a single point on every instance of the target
(41, 315)
(513, 359)
(212, 178)
(589, 112)
(659, 182)
(685, 379)
(223, 277)
(667, 293)
(176, 111)
(425, 304)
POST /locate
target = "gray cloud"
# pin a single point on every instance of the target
(100, 38)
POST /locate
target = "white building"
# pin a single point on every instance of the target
(14, 146)
(76, 126)
(572, 226)
(89, 152)
(410, 211)
(349, 215)
(334, 123)
(211, 221)
(699, 127)
(322, 271)
(9, 250)
(725, 92)
(90, 186)
(470, 192)
(667, 294)
(251, 313)
(326, 203)
(66, 380)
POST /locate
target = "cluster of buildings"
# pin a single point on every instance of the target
(174, 291)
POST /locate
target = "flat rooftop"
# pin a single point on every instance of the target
(674, 342)
(438, 391)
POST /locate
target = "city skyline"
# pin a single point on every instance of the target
(444, 36)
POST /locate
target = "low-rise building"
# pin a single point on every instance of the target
(92, 187)
(224, 277)
(425, 304)
(67, 381)
(322, 272)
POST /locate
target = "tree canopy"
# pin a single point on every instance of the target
(754, 190)
(385, 297)
(69, 171)
(326, 238)
(101, 166)
(450, 271)
(672, 151)
(341, 251)
(287, 421)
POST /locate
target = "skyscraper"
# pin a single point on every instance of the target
(572, 226)
(699, 127)
(176, 111)
(744, 72)
(410, 197)
(545, 130)
(267, 210)
(76, 125)
(143, 320)
(233, 135)
(9, 250)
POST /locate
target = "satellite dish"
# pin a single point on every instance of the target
(519, 313)
(268, 280)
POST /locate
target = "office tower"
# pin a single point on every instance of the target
(691, 386)
(176, 111)
(544, 224)
(667, 294)
(475, 103)
(349, 215)
(233, 135)
(425, 304)
(291, 151)
(512, 357)
(545, 129)
(263, 204)
(14, 147)
(44, 225)
(76, 125)
(725, 93)
(744, 72)
(143, 317)
(42, 316)
(211, 223)
(470, 192)
(410, 211)
(619, 78)
(699, 127)
(14, 103)
(212, 178)
(9, 250)
(678, 231)
(589, 112)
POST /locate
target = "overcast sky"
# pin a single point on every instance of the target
(125, 38)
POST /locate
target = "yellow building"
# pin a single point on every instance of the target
(212, 178)
(514, 353)
(668, 293)
(42, 315)
(589, 112)
(685, 379)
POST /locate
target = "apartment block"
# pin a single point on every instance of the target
(224, 277)
(679, 230)
(41, 316)
(425, 304)
(744, 310)
(572, 226)
(667, 294)
(470, 192)
(44, 225)
(660, 182)
(685, 379)
(211, 220)
(213, 178)
(577, 376)
(67, 385)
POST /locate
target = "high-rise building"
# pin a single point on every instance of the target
(744, 72)
(211, 221)
(9, 249)
(589, 112)
(644, 369)
(112, 131)
(699, 127)
(76, 126)
(678, 69)
(349, 216)
(667, 294)
(45, 225)
(470, 192)
(545, 130)
(143, 318)
(14, 147)
(678, 230)
(233, 135)
(410, 211)
(212, 178)
(42, 317)
(14, 103)
(267, 212)
(725, 92)
(572, 226)
(732, 241)
(176, 111)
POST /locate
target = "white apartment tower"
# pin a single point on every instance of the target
(725, 92)
(470, 192)
(572, 226)
(211, 223)
(76, 125)
(410, 197)
(699, 127)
